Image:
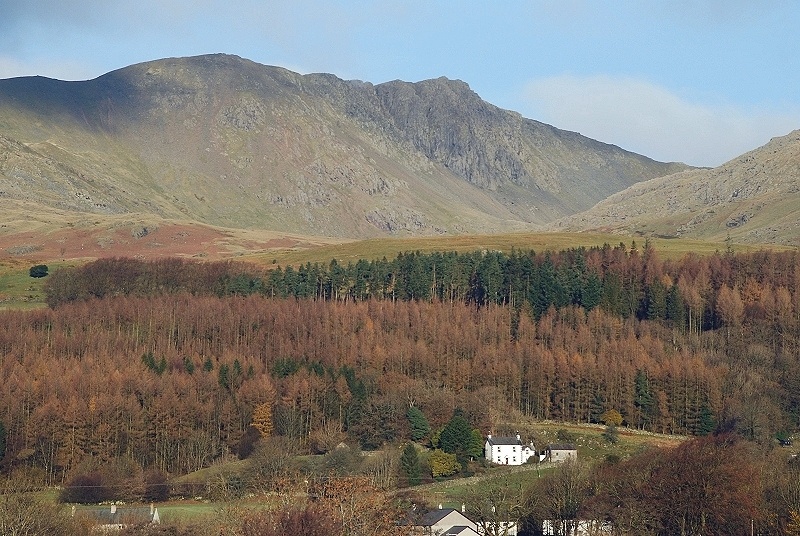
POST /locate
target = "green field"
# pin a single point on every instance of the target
(592, 447)
(18, 290)
(378, 248)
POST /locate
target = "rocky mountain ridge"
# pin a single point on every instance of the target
(227, 142)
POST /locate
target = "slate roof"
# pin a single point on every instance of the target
(562, 446)
(434, 516)
(459, 531)
(504, 441)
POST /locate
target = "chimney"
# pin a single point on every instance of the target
(463, 508)
(517, 436)
(440, 506)
(489, 436)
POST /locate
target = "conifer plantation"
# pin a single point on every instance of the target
(169, 363)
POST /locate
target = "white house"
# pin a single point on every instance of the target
(447, 521)
(507, 450)
(450, 522)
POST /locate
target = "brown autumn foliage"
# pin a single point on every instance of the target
(171, 381)
(708, 485)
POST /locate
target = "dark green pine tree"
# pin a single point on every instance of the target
(420, 428)
(223, 377)
(409, 464)
(476, 444)
(597, 405)
(490, 280)
(675, 308)
(655, 301)
(456, 437)
(706, 422)
(591, 292)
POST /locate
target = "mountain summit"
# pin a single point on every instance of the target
(227, 142)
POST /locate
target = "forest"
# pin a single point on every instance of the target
(164, 362)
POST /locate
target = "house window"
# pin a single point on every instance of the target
(513, 449)
(514, 459)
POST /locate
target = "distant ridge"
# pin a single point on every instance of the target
(754, 198)
(223, 141)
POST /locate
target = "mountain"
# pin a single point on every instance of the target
(226, 142)
(753, 198)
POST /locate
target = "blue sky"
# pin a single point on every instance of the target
(698, 81)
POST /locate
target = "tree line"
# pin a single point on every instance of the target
(694, 293)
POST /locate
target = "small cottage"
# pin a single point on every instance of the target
(507, 450)
(560, 453)
(447, 521)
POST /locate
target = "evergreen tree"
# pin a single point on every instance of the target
(655, 302)
(456, 437)
(611, 434)
(475, 447)
(419, 424)
(223, 377)
(706, 422)
(592, 292)
(675, 307)
(40, 270)
(409, 464)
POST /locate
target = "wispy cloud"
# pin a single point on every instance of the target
(649, 119)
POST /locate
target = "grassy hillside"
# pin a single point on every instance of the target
(390, 247)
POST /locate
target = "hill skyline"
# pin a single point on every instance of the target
(223, 141)
(750, 199)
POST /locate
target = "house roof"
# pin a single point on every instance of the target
(503, 440)
(459, 531)
(562, 446)
(434, 516)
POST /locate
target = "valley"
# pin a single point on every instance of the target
(279, 302)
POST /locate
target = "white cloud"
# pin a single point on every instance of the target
(646, 118)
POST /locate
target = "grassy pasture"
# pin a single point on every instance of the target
(378, 248)
(592, 447)
(18, 290)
